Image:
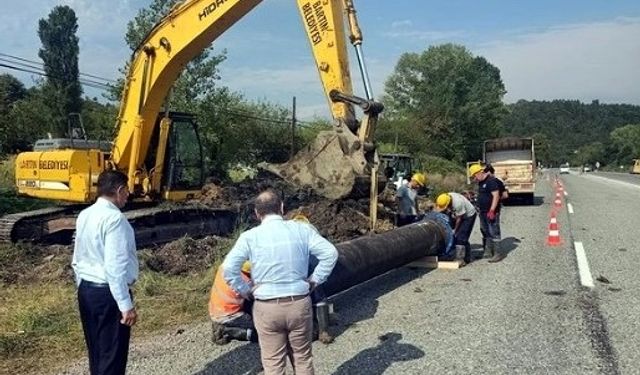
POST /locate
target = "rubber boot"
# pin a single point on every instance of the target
(236, 333)
(488, 248)
(218, 336)
(498, 254)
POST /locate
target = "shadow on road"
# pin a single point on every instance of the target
(376, 360)
(361, 302)
(243, 360)
(524, 201)
(509, 244)
(352, 306)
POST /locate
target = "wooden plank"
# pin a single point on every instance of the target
(433, 262)
(426, 262)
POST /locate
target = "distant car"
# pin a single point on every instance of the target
(586, 168)
(564, 169)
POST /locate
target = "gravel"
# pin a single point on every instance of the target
(524, 315)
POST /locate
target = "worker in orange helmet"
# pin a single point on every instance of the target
(230, 313)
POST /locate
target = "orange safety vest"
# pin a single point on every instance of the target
(223, 300)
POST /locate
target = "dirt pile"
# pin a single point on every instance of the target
(188, 255)
(24, 263)
(339, 221)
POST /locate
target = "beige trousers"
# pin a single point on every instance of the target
(285, 330)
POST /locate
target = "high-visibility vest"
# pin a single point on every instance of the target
(223, 300)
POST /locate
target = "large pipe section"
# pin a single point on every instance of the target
(366, 257)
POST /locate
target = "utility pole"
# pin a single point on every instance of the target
(293, 129)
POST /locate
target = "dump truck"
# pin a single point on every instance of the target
(514, 162)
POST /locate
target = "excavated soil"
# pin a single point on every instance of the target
(336, 220)
(187, 255)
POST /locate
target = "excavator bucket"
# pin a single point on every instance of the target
(328, 166)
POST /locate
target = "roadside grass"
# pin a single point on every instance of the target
(40, 329)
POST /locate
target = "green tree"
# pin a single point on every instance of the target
(59, 53)
(449, 98)
(626, 142)
(589, 154)
(30, 118)
(11, 91)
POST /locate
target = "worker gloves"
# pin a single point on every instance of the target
(491, 215)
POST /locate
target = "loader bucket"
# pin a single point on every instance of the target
(323, 166)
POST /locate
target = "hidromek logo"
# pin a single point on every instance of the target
(210, 8)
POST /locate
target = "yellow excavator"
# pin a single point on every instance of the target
(160, 150)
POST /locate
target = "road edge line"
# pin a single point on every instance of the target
(583, 266)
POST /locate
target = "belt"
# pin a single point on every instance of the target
(284, 299)
(91, 284)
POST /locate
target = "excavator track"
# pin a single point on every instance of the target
(152, 225)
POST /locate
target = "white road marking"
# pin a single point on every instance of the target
(583, 266)
(570, 207)
(618, 182)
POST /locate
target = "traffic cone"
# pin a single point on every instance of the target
(558, 201)
(554, 233)
(553, 223)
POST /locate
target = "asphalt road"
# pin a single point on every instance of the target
(625, 177)
(529, 314)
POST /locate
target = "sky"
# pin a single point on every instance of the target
(545, 49)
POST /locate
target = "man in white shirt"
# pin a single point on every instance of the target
(105, 264)
(279, 252)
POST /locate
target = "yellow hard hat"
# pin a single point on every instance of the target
(301, 218)
(246, 267)
(443, 201)
(419, 178)
(474, 169)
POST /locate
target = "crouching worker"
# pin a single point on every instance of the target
(230, 313)
(449, 251)
(464, 216)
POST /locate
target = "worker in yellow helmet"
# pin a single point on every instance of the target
(406, 199)
(230, 313)
(464, 215)
(488, 199)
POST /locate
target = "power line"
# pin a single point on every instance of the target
(42, 72)
(42, 65)
(100, 86)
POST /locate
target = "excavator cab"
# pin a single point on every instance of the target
(176, 162)
(184, 163)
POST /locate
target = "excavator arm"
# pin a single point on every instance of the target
(339, 158)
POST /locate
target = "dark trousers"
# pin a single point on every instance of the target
(463, 235)
(490, 229)
(107, 340)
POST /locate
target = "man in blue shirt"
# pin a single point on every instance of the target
(105, 265)
(489, 207)
(279, 252)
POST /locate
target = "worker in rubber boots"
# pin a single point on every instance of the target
(464, 217)
(230, 313)
(489, 206)
(406, 199)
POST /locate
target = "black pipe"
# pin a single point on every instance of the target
(366, 257)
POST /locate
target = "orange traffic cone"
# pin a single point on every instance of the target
(553, 223)
(558, 201)
(554, 233)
